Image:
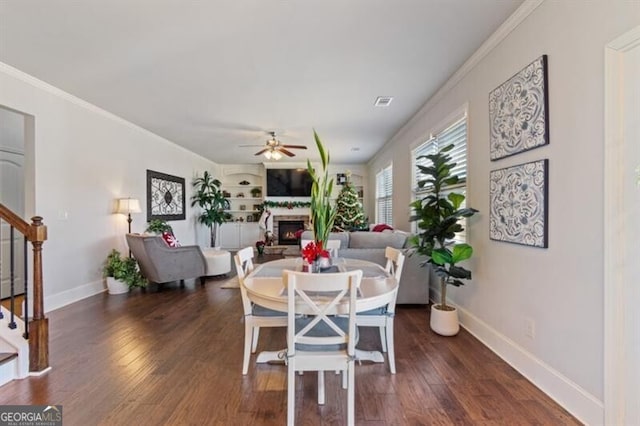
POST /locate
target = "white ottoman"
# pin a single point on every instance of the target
(218, 262)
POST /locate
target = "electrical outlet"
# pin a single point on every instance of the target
(529, 328)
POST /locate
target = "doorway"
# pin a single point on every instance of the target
(622, 230)
(12, 195)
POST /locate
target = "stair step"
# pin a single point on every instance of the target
(6, 357)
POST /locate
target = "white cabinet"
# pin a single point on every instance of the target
(235, 235)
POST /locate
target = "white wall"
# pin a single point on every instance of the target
(86, 158)
(559, 288)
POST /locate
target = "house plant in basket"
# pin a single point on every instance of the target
(439, 215)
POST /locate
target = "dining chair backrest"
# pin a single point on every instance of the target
(244, 265)
(395, 262)
(323, 296)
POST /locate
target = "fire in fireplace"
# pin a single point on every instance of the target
(287, 231)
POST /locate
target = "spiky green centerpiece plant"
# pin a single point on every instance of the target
(438, 216)
(323, 214)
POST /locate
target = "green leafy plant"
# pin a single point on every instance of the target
(124, 269)
(438, 216)
(323, 214)
(212, 201)
(158, 226)
(256, 192)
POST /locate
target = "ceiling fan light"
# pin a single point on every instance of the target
(268, 155)
(276, 155)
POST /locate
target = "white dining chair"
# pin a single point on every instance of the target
(321, 341)
(383, 317)
(255, 316)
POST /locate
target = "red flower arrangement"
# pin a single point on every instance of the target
(313, 251)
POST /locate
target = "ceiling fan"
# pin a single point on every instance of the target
(273, 149)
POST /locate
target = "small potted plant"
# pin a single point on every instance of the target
(256, 192)
(122, 274)
(260, 247)
(438, 215)
(316, 256)
(158, 226)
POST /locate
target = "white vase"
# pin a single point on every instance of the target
(324, 263)
(116, 286)
(445, 323)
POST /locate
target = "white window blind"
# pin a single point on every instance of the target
(455, 134)
(384, 189)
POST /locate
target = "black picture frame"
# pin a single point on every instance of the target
(165, 196)
(341, 178)
(519, 203)
(519, 112)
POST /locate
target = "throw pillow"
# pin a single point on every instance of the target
(170, 239)
(381, 227)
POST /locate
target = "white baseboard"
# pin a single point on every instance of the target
(56, 301)
(584, 406)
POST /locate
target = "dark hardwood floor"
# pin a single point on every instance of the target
(174, 356)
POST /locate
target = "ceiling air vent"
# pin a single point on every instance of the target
(383, 101)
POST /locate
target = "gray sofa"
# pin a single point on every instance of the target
(414, 286)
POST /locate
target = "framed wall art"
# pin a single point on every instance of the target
(518, 201)
(519, 111)
(165, 196)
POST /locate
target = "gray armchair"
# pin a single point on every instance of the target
(160, 263)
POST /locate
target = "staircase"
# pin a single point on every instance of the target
(24, 345)
(14, 349)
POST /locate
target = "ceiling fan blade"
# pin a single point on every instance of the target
(285, 152)
(295, 146)
(262, 151)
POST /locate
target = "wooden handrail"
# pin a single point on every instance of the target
(14, 220)
(36, 233)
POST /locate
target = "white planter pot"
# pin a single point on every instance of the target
(445, 323)
(116, 286)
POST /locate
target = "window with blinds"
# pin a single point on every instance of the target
(455, 134)
(384, 189)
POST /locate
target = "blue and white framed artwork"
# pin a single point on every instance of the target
(518, 200)
(519, 111)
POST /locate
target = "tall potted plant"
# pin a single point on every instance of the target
(210, 198)
(323, 214)
(438, 216)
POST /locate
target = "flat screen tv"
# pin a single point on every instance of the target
(288, 183)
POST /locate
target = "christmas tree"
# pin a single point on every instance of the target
(350, 213)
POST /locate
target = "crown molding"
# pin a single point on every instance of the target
(39, 84)
(512, 22)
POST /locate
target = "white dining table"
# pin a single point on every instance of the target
(265, 287)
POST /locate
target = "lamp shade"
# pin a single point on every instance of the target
(128, 205)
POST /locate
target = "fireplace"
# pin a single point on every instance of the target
(287, 231)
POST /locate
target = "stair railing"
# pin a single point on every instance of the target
(36, 330)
